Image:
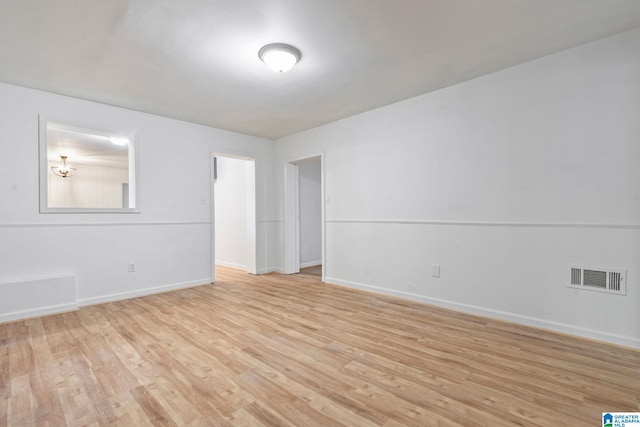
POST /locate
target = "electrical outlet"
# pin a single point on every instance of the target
(435, 270)
(132, 267)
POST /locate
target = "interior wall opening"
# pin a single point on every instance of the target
(234, 213)
(304, 217)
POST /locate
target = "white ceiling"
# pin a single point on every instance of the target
(197, 60)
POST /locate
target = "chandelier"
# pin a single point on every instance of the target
(63, 169)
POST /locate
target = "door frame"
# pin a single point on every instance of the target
(292, 214)
(251, 242)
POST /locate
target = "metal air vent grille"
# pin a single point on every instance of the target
(608, 280)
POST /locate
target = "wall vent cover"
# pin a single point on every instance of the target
(610, 280)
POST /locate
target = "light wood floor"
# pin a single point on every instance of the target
(277, 350)
(316, 270)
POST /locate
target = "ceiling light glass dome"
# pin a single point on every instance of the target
(280, 57)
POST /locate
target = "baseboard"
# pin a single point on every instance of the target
(231, 265)
(271, 270)
(62, 308)
(37, 312)
(281, 270)
(497, 314)
(265, 270)
(310, 264)
(142, 292)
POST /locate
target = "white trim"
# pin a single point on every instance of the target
(306, 157)
(291, 231)
(626, 341)
(102, 224)
(233, 154)
(142, 292)
(483, 223)
(252, 210)
(37, 312)
(251, 243)
(310, 264)
(323, 212)
(271, 270)
(212, 215)
(291, 219)
(231, 265)
(133, 166)
(62, 308)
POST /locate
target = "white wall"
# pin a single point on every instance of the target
(503, 181)
(310, 213)
(231, 212)
(169, 241)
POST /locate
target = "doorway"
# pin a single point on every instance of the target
(233, 212)
(304, 216)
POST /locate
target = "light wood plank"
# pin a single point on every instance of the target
(289, 351)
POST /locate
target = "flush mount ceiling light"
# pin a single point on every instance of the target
(64, 170)
(280, 57)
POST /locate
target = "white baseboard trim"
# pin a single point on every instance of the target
(310, 264)
(497, 314)
(271, 270)
(37, 312)
(265, 270)
(142, 292)
(231, 265)
(281, 270)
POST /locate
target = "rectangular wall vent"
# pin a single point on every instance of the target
(609, 280)
(595, 278)
(576, 276)
(615, 281)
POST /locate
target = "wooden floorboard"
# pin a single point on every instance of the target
(291, 351)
